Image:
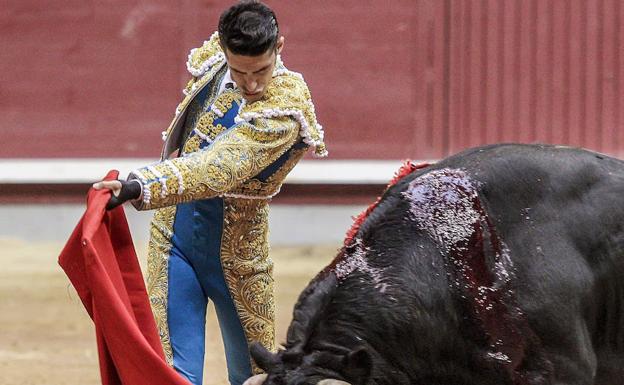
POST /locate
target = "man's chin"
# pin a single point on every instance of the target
(250, 98)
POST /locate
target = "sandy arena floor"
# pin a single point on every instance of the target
(47, 338)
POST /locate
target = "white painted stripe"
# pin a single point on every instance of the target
(298, 224)
(64, 170)
(60, 171)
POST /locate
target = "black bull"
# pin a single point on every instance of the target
(500, 265)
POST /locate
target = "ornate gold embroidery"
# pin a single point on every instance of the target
(248, 269)
(232, 159)
(192, 144)
(161, 231)
(286, 91)
(271, 186)
(288, 94)
(265, 130)
(194, 86)
(205, 123)
(209, 51)
(194, 111)
(206, 126)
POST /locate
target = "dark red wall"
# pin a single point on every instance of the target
(405, 78)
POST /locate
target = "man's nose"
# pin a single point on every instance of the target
(251, 85)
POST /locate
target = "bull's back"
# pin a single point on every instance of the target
(550, 193)
(560, 213)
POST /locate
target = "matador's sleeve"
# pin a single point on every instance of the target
(235, 156)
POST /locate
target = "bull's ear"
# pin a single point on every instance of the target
(358, 365)
(264, 358)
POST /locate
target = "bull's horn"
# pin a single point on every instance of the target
(258, 379)
(264, 358)
(332, 382)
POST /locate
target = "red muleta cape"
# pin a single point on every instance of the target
(101, 263)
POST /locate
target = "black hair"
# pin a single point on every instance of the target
(248, 28)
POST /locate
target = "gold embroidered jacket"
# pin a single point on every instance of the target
(239, 153)
(264, 130)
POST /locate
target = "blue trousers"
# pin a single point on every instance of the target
(195, 277)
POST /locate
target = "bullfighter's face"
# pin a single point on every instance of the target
(253, 74)
(320, 367)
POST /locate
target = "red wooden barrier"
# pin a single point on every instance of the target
(407, 78)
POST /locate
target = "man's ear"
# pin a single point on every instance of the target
(280, 44)
(358, 365)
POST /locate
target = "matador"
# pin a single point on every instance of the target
(236, 135)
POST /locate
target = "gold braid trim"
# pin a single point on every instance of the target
(248, 269)
(161, 231)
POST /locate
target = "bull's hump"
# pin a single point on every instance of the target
(445, 204)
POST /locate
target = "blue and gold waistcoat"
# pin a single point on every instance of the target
(219, 146)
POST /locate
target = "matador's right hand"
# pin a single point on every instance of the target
(122, 191)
